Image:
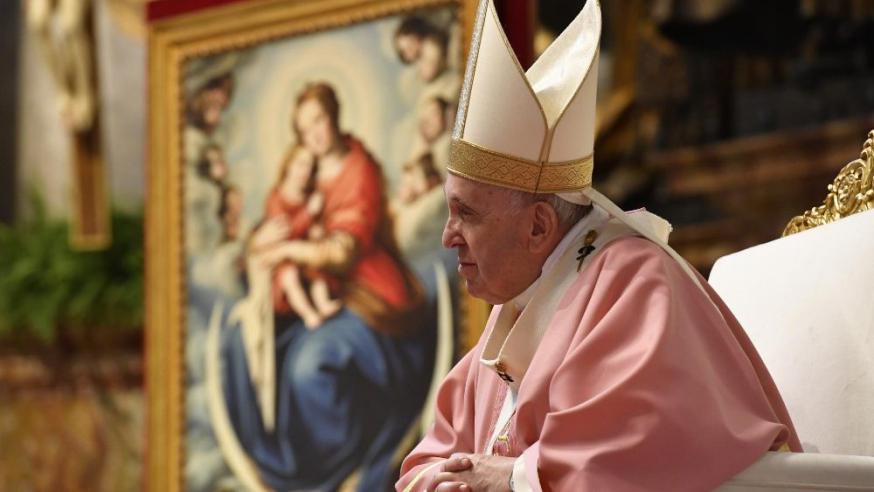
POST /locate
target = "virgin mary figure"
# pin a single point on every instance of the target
(310, 406)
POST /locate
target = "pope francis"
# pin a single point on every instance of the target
(607, 364)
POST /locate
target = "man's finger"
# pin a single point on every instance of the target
(452, 487)
(441, 478)
(436, 480)
(457, 463)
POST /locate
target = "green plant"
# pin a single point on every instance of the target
(46, 287)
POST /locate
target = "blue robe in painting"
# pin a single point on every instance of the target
(346, 395)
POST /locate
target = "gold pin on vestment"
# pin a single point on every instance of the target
(587, 248)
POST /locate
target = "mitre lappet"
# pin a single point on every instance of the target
(534, 131)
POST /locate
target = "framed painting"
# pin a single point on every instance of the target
(300, 306)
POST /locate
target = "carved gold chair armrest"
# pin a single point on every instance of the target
(851, 192)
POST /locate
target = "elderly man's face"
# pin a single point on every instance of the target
(491, 238)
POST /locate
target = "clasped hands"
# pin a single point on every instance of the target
(472, 473)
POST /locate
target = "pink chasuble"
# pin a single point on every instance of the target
(639, 383)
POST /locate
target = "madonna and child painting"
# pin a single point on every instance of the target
(312, 213)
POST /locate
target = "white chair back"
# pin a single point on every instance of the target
(807, 303)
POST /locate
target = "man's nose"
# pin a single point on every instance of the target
(451, 238)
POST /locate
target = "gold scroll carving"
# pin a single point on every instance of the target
(851, 192)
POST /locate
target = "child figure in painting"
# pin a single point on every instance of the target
(295, 202)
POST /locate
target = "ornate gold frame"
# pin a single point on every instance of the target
(171, 42)
(851, 192)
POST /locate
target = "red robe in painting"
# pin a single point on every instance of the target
(354, 204)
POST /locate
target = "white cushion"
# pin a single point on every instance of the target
(807, 303)
(789, 472)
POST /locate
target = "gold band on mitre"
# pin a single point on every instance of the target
(487, 166)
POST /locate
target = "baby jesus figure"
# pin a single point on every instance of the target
(295, 199)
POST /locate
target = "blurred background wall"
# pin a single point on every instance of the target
(728, 117)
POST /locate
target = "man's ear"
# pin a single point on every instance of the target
(544, 226)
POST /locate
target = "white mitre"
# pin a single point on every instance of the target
(535, 131)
